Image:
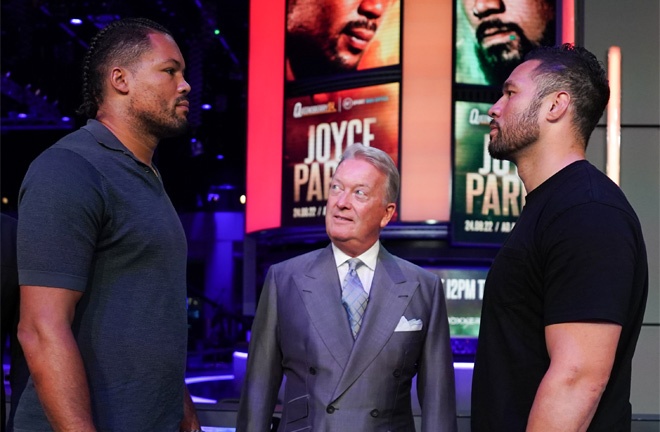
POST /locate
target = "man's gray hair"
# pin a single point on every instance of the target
(382, 162)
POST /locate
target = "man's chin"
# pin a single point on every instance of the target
(338, 234)
(500, 153)
(176, 129)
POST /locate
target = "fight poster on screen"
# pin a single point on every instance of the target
(318, 128)
(487, 195)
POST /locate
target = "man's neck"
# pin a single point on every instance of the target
(539, 162)
(142, 145)
(535, 172)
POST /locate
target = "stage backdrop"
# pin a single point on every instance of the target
(429, 106)
(424, 94)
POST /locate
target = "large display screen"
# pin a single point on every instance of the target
(318, 128)
(487, 194)
(491, 38)
(332, 37)
(425, 79)
(464, 293)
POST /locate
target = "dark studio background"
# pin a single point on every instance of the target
(41, 57)
(203, 171)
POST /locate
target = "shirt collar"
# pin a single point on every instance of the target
(104, 136)
(368, 258)
(107, 139)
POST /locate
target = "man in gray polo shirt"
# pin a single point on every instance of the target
(102, 253)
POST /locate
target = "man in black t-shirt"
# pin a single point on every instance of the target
(564, 300)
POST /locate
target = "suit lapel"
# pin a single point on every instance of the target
(320, 290)
(389, 298)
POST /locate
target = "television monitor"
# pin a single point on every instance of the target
(331, 37)
(487, 194)
(491, 38)
(464, 291)
(317, 130)
(424, 75)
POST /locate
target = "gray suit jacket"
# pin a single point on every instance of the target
(336, 384)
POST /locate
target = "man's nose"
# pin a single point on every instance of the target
(184, 87)
(483, 8)
(494, 110)
(343, 200)
(373, 9)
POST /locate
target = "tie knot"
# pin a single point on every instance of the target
(354, 263)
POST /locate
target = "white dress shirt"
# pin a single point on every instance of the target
(365, 272)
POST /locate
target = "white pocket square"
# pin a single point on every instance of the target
(408, 325)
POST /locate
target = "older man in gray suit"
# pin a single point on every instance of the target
(350, 334)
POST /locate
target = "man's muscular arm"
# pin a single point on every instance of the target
(581, 359)
(53, 357)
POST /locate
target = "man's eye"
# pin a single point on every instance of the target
(170, 71)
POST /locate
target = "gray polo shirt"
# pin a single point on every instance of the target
(92, 218)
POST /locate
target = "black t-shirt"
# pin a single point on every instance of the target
(576, 254)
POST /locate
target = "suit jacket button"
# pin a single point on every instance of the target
(374, 413)
(396, 373)
(312, 371)
(330, 409)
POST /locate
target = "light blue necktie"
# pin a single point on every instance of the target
(353, 296)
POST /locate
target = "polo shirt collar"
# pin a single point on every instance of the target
(104, 136)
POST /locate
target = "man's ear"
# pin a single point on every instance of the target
(119, 79)
(559, 107)
(389, 212)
